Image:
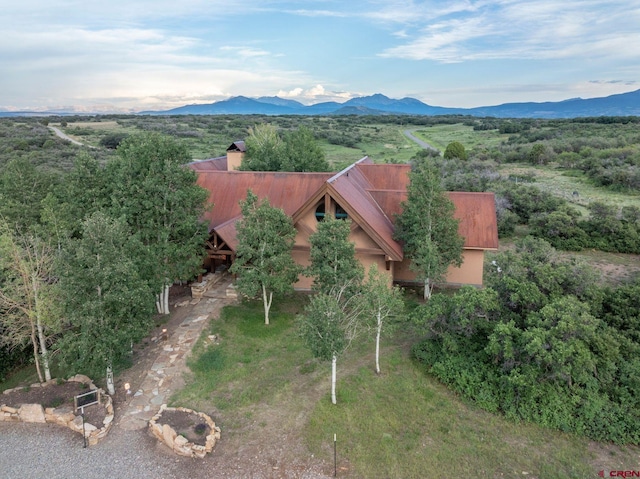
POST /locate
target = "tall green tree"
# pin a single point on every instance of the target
(22, 188)
(333, 262)
(302, 152)
(332, 320)
(107, 303)
(263, 258)
(26, 302)
(334, 315)
(265, 149)
(427, 226)
(158, 197)
(381, 302)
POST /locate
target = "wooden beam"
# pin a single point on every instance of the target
(370, 251)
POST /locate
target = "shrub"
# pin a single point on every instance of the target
(557, 351)
(455, 149)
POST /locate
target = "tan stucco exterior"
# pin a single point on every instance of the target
(234, 159)
(469, 273)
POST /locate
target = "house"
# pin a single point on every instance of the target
(369, 194)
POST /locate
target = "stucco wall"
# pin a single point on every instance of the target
(358, 237)
(471, 270)
(469, 273)
(234, 158)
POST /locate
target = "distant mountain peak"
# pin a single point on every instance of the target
(622, 104)
(276, 100)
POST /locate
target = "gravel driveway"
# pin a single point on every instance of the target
(40, 451)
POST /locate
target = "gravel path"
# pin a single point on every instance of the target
(409, 134)
(60, 134)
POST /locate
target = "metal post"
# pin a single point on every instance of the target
(84, 435)
(335, 457)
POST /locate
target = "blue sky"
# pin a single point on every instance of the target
(132, 55)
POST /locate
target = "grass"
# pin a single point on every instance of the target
(403, 423)
(251, 363)
(382, 142)
(439, 136)
(563, 183)
(400, 424)
(26, 375)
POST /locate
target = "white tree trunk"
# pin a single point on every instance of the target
(427, 289)
(378, 332)
(110, 386)
(41, 339)
(166, 300)
(334, 360)
(267, 303)
(43, 351)
(162, 301)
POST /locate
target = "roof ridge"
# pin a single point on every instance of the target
(346, 170)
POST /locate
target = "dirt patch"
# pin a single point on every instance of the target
(189, 425)
(54, 396)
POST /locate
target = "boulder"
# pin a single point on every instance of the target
(168, 434)
(32, 413)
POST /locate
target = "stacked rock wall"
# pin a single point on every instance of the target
(63, 415)
(178, 443)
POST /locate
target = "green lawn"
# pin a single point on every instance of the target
(400, 424)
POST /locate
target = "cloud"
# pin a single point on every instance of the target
(318, 13)
(245, 52)
(533, 29)
(315, 94)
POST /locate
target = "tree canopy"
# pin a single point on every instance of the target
(542, 342)
(263, 258)
(296, 150)
(333, 262)
(427, 226)
(455, 149)
(150, 187)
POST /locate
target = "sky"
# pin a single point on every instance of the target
(133, 55)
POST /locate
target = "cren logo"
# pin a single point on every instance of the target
(619, 474)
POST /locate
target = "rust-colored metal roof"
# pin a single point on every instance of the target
(371, 194)
(477, 215)
(227, 188)
(212, 164)
(350, 188)
(387, 176)
(476, 211)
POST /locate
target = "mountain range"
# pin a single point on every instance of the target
(623, 104)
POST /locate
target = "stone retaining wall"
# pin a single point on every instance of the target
(198, 290)
(178, 443)
(64, 415)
